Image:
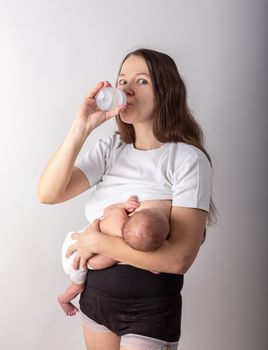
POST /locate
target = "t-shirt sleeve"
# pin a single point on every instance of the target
(192, 182)
(93, 163)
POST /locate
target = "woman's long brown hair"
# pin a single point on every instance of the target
(173, 120)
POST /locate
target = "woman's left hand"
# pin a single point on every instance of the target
(84, 247)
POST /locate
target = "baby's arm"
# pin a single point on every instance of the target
(116, 215)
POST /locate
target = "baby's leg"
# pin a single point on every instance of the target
(77, 277)
(70, 293)
(99, 262)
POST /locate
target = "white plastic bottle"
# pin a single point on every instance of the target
(108, 98)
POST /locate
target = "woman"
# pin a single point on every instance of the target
(157, 155)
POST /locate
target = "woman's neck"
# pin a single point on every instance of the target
(145, 139)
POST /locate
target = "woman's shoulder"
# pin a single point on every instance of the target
(113, 141)
(185, 151)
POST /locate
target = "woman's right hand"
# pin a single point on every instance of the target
(89, 115)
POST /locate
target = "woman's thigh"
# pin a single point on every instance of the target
(100, 340)
(139, 342)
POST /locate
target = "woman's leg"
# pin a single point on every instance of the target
(140, 342)
(100, 340)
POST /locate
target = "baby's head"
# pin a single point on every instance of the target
(146, 230)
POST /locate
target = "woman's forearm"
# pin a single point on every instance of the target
(59, 169)
(175, 255)
(164, 259)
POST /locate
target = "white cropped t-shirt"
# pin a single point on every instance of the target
(175, 171)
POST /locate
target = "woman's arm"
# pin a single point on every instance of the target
(176, 254)
(61, 180)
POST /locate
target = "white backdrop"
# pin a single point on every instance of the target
(52, 53)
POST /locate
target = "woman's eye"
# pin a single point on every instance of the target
(142, 81)
(122, 82)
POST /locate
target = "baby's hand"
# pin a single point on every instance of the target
(132, 204)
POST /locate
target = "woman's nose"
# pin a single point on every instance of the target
(128, 90)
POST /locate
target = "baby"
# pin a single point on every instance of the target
(143, 225)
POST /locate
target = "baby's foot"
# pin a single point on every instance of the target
(69, 308)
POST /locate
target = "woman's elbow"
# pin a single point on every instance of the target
(181, 266)
(180, 269)
(44, 198)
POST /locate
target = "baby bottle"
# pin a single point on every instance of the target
(108, 98)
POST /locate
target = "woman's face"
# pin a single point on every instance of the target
(134, 79)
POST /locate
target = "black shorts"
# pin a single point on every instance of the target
(128, 300)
